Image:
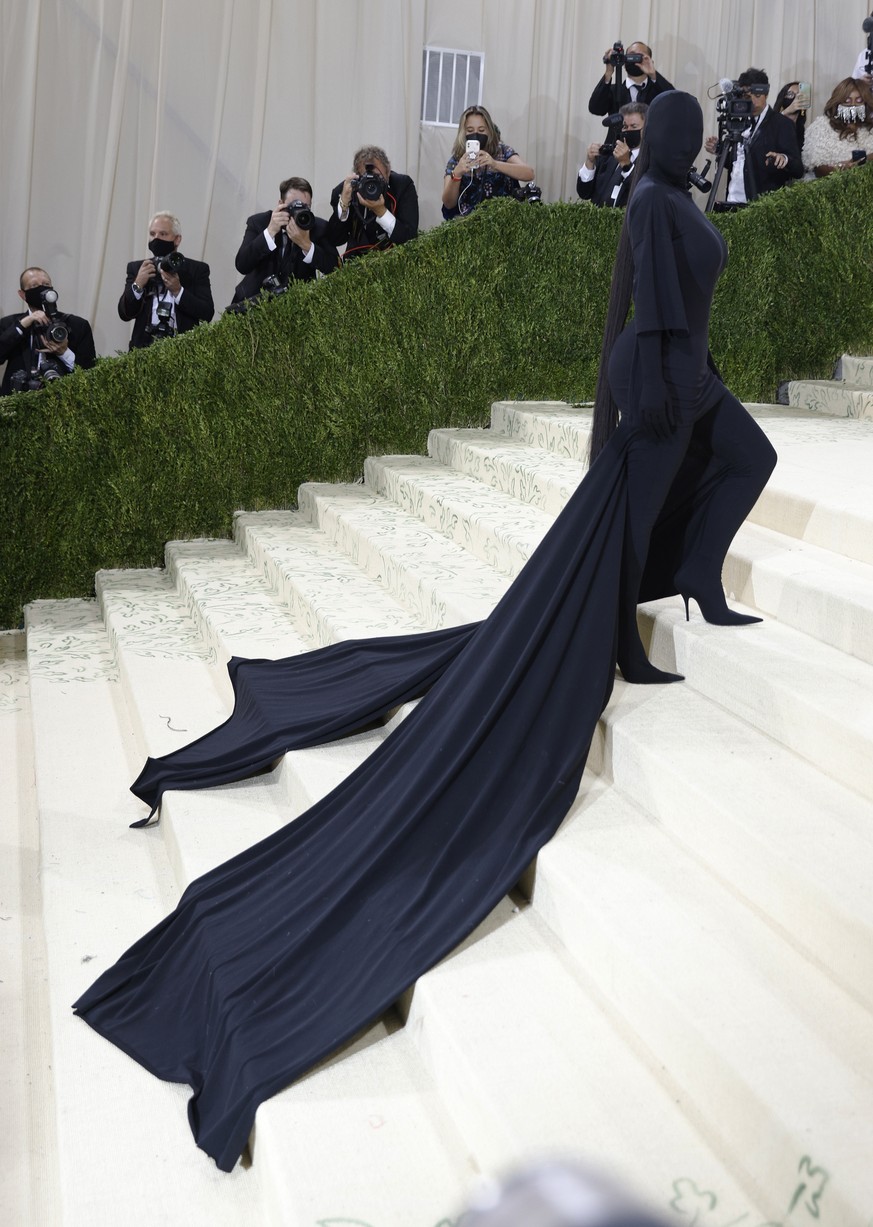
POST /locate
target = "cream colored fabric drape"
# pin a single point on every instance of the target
(110, 109)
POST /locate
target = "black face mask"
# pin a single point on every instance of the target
(634, 70)
(161, 247)
(34, 296)
(674, 134)
(632, 137)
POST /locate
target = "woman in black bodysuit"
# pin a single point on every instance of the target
(273, 960)
(662, 378)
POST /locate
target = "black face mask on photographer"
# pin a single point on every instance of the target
(35, 297)
(632, 137)
(634, 70)
(161, 247)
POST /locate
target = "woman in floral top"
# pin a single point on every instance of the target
(496, 170)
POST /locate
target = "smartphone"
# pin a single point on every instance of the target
(859, 155)
(803, 97)
(474, 143)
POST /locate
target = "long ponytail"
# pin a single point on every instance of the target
(605, 418)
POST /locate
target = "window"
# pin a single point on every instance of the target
(452, 81)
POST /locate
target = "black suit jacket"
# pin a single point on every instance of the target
(17, 353)
(255, 260)
(777, 134)
(194, 307)
(602, 100)
(607, 173)
(363, 233)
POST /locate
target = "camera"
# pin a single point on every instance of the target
(55, 330)
(32, 381)
(371, 185)
(606, 149)
(733, 110)
(300, 213)
(531, 192)
(173, 263)
(164, 311)
(274, 285)
(618, 56)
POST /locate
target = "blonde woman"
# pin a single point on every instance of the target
(494, 169)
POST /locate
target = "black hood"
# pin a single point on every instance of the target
(673, 134)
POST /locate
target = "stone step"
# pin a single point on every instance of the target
(818, 492)
(329, 596)
(171, 678)
(856, 371)
(551, 426)
(234, 606)
(530, 474)
(494, 527)
(793, 844)
(812, 589)
(753, 1039)
(832, 397)
(364, 1141)
(102, 887)
(806, 695)
(29, 1179)
(530, 1061)
(440, 583)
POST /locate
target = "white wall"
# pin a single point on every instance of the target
(110, 109)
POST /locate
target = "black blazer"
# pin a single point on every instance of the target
(255, 260)
(16, 352)
(363, 235)
(602, 100)
(607, 173)
(777, 134)
(194, 307)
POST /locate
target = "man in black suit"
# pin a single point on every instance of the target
(767, 155)
(605, 179)
(641, 82)
(374, 207)
(32, 355)
(167, 293)
(285, 243)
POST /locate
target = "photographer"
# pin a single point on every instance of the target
(765, 149)
(42, 343)
(374, 207)
(167, 293)
(284, 244)
(481, 165)
(641, 83)
(605, 176)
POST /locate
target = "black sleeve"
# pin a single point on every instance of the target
(585, 191)
(602, 98)
(789, 145)
(81, 342)
(11, 340)
(253, 248)
(658, 302)
(326, 257)
(406, 210)
(196, 302)
(129, 304)
(337, 232)
(659, 86)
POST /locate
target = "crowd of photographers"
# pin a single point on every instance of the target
(757, 149)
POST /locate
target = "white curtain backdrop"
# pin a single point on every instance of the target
(111, 109)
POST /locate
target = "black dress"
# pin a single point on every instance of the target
(274, 959)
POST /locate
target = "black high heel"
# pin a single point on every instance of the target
(713, 606)
(637, 668)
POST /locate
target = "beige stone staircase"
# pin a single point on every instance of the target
(681, 991)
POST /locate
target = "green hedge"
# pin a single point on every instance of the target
(103, 467)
